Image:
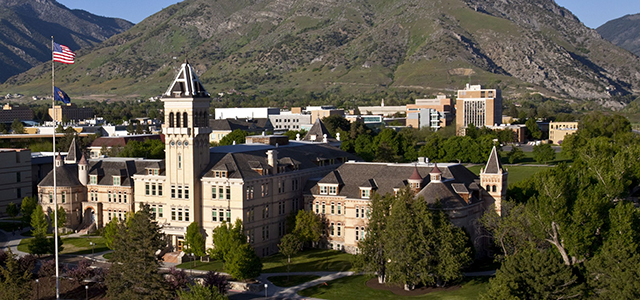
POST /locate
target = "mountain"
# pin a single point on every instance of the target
(624, 32)
(346, 47)
(26, 27)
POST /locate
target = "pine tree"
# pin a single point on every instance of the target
(134, 273)
(14, 283)
(373, 246)
(110, 232)
(39, 222)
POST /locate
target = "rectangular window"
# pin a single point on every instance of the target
(186, 214)
(120, 197)
(266, 210)
(339, 208)
(109, 215)
(339, 230)
(179, 214)
(153, 190)
(267, 231)
(179, 192)
(160, 211)
(214, 214)
(323, 189)
(146, 188)
(109, 194)
(213, 192)
(364, 193)
(228, 193)
(228, 215)
(333, 208)
(186, 192)
(357, 211)
(153, 211)
(124, 196)
(116, 180)
(94, 179)
(173, 191)
(220, 194)
(50, 197)
(221, 215)
(323, 210)
(173, 214)
(333, 190)
(317, 208)
(357, 234)
(64, 197)
(332, 229)
(159, 189)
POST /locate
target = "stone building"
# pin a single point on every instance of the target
(342, 197)
(478, 106)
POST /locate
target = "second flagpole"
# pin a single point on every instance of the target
(55, 191)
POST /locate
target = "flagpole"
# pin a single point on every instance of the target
(55, 191)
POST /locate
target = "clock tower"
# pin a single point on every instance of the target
(186, 130)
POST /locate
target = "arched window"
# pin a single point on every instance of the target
(357, 233)
(339, 229)
(170, 119)
(494, 189)
(185, 120)
(488, 188)
(177, 120)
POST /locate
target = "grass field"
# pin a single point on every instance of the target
(204, 266)
(287, 281)
(308, 261)
(516, 173)
(354, 287)
(73, 246)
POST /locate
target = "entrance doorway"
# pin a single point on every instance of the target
(180, 244)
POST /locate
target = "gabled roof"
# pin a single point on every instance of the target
(441, 192)
(318, 130)
(106, 168)
(493, 164)
(186, 84)
(332, 178)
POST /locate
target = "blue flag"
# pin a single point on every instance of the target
(59, 95)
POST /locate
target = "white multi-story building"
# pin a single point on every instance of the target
(246, 112)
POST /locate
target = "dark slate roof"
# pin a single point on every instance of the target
(66, 175)
(384, 178)
(319, 130)
(244, 162)
(493, 164)
(106, 168)
(186, 84)
(249, 125)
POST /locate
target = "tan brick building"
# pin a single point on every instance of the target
(478, 106)
(558, 130)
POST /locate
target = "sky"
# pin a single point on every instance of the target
(592, 13)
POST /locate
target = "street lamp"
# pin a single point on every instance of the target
(265, 290)
(193, 262)
(92, 244)
(37, 288)
(86, 288)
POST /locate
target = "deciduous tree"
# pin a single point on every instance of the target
(308, 226)
(243, 263)
(194, 240)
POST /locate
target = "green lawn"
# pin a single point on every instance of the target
(73, 246)
(308, 261)
(354, 287)
(204, 266)
(516, 173)
(287, 281)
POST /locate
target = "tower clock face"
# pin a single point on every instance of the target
(186, 143)
(173, 143)
(179, 143)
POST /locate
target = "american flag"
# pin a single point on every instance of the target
(63, 54)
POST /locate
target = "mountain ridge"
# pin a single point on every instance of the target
(354, 46)
(623, 31)
(26, 28)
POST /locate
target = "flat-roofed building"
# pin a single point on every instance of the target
(15, 112)
(558, 130)
(15, 177)
(70, 112)
(478, 106)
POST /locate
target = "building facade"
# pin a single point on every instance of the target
(70, 112)
(478, 106)
(430, 113)
(14, 112)
(15, 177)
(558, 130)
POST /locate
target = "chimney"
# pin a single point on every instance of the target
(272, 160)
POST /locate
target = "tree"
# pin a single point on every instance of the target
(226, 239)
(28, 206)
(130, 129)
(243, 263)
(134, 273)
(194, 240)
(39, 222)
(17, 127)
(534, 274)
(3, 128)
(543, 153)
(289, 245)
(532, 127)
(215, 280)
(62, 216)
(334, 123)
(12, 210)
(199, 292)
(308, 226)
(81, 272)
(373, 246)
(515, 155)
(14, 282)
(110, 232)
(238, 136)
(177, 279)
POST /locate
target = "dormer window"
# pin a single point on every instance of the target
(116, 180)
(153, 172)
(220, 174)
(333, 190)
(93, 179)
(324, 189)
(365, 193)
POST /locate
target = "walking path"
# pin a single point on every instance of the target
(292, 292)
